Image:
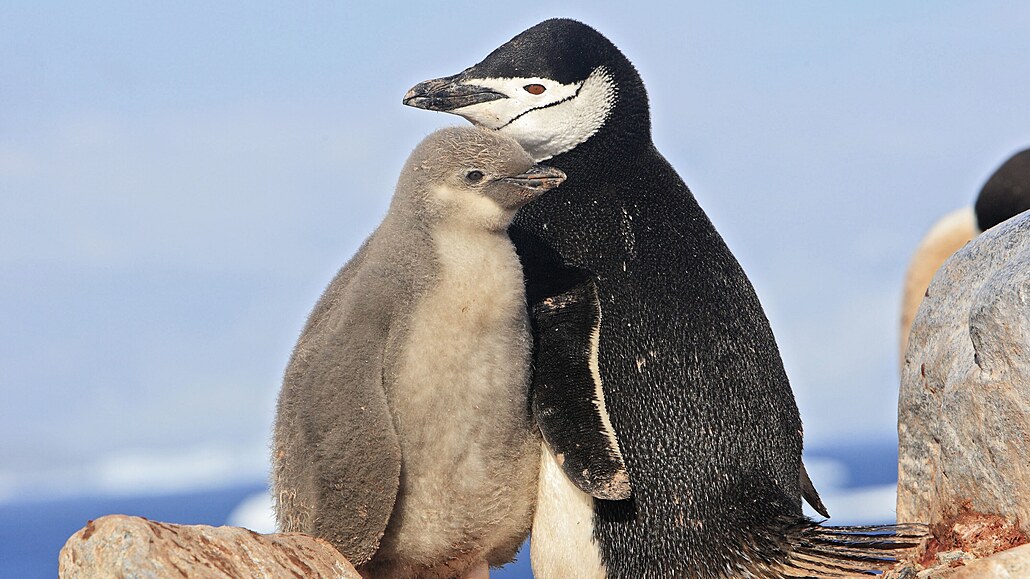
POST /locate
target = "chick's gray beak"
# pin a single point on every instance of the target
(448, 93)
(539, 178)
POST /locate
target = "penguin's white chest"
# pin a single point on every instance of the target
(563, 528)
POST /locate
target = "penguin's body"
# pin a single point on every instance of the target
(658, 385)
(1005, 195)
(403, 434)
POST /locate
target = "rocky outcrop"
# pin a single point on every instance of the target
(1007, 564)
(1011, 564)
(964, 405)
(123, 546)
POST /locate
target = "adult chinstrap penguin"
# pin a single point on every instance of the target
(403, 432)
(658, 385)
(1005, 195)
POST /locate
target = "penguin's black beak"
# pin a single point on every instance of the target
(537, 179)
(448, 93)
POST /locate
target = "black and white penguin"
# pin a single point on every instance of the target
(658, 386)
(1005, 195)
(403, 432)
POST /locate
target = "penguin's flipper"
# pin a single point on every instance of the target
(568, 401)
(811, 495)
(359, 455)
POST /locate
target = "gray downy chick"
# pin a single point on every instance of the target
(403, 433)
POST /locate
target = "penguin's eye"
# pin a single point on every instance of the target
(535, 88)
(474, 176)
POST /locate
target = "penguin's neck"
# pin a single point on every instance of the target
(476, 267)
(621, 140)
(606, 155)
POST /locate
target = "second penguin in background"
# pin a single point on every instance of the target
(1005, 195)
(403, 434)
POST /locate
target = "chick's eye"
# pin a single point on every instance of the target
(535, 88)
(474, 176)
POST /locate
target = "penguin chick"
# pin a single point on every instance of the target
(403, 434)
(1005, 194)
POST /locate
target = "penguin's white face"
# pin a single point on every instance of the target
(545, 116)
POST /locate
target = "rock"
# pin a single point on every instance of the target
(964, 405)
(133, 547)
(1010, 564)
(1013, 563)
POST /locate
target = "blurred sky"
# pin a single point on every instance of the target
(179, 181)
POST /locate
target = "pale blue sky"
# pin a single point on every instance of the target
(179, 181)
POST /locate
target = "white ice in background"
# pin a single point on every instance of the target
(826, 473)
(201, 467)
(860, 506)
(254, 513)
(142, 473)
(866, 505)
(8, 484)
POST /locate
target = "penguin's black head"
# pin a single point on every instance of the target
(1006, 194)
(552, 88)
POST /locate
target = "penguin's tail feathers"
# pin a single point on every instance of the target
(818, 551)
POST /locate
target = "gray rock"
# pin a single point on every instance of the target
(964, 405)
(135, 548)
(1014, 563)
(1010, 564)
